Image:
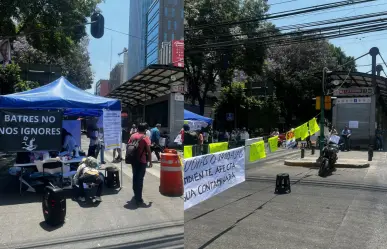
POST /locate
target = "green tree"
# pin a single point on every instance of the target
(65, 21)
(206, 65)
(296, 72)
(10, 81)
(75, 64)
(233, 99)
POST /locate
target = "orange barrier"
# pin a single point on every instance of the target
(171, 178)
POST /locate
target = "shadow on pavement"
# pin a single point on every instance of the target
(49, 228)
(9, 193)
(133, 206)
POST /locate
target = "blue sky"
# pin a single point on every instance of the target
(116, 13)
(352, 45)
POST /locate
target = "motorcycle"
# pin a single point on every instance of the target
(328, 158)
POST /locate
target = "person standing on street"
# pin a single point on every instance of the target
(346, 134)
(133, 130)
(155, 140)
(142, 156)
(93, 135)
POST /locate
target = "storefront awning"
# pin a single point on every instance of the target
(153, 82)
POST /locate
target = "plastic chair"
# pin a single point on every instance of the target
(53, 165)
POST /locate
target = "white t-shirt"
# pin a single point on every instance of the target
(148, 133)
(245, 135)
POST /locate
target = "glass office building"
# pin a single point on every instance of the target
(164, 23)
(152, 33)
(137, 31)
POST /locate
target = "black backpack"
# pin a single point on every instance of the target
(131, 155)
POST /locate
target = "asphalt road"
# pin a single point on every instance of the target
(345, 210)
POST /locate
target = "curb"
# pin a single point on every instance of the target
(272, 158)
(310, 164)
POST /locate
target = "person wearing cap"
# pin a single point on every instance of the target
(155, 140)
(88, 172)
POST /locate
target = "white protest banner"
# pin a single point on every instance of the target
(112, 130)
(208, 175)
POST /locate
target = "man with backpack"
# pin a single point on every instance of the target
(138, 153)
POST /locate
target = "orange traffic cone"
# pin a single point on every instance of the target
(171, 178)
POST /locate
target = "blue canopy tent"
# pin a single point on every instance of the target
(193, 116)
(60, 94)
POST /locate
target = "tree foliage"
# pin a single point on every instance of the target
(248, 110)
(296, 72)
(51, 26)
(75, 64)
(207, 68)
(11, 82)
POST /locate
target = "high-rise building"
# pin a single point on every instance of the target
(164, 23)
(102, 88)
(116, 76)
(137, 31)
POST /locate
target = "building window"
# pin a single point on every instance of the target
(165, 36)
(173, 36)
(182, 13)
(173, 12)
(175, 24)
(166, 11)
(169, 24)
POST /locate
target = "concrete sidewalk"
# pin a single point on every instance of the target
(349, 159)
(22, 223)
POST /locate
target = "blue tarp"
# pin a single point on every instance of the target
(60, 94)
(193, 116)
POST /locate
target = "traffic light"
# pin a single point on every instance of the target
(97, 27)
(327, 103)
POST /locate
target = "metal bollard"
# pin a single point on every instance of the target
(302, 152)
(370, 153)
(312, 150)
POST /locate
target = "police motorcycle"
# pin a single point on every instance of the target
(328, 156)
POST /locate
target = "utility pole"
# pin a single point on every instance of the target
(322, 106)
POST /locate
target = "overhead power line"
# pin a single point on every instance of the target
(300, 26)
(335, 30)
(284, 14)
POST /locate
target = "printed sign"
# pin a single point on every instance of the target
(30, 130)
(112, 130)
(230, 116)
(178, 53)
(354, 91)
(353, 101)
(208, 175)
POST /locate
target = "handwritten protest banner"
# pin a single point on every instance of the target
(257, 151)
(188, 151)
(218, 147)
(273, 144)
(313, 126)
(304, 131)
(208, 175)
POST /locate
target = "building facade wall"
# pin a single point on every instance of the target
(116, 76)
(137, 30)
(170, 14)
(102, 88)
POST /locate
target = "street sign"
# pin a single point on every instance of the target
(354, 91)
(179, 97)
(353, 101)
(229, 116)
(177, 89)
